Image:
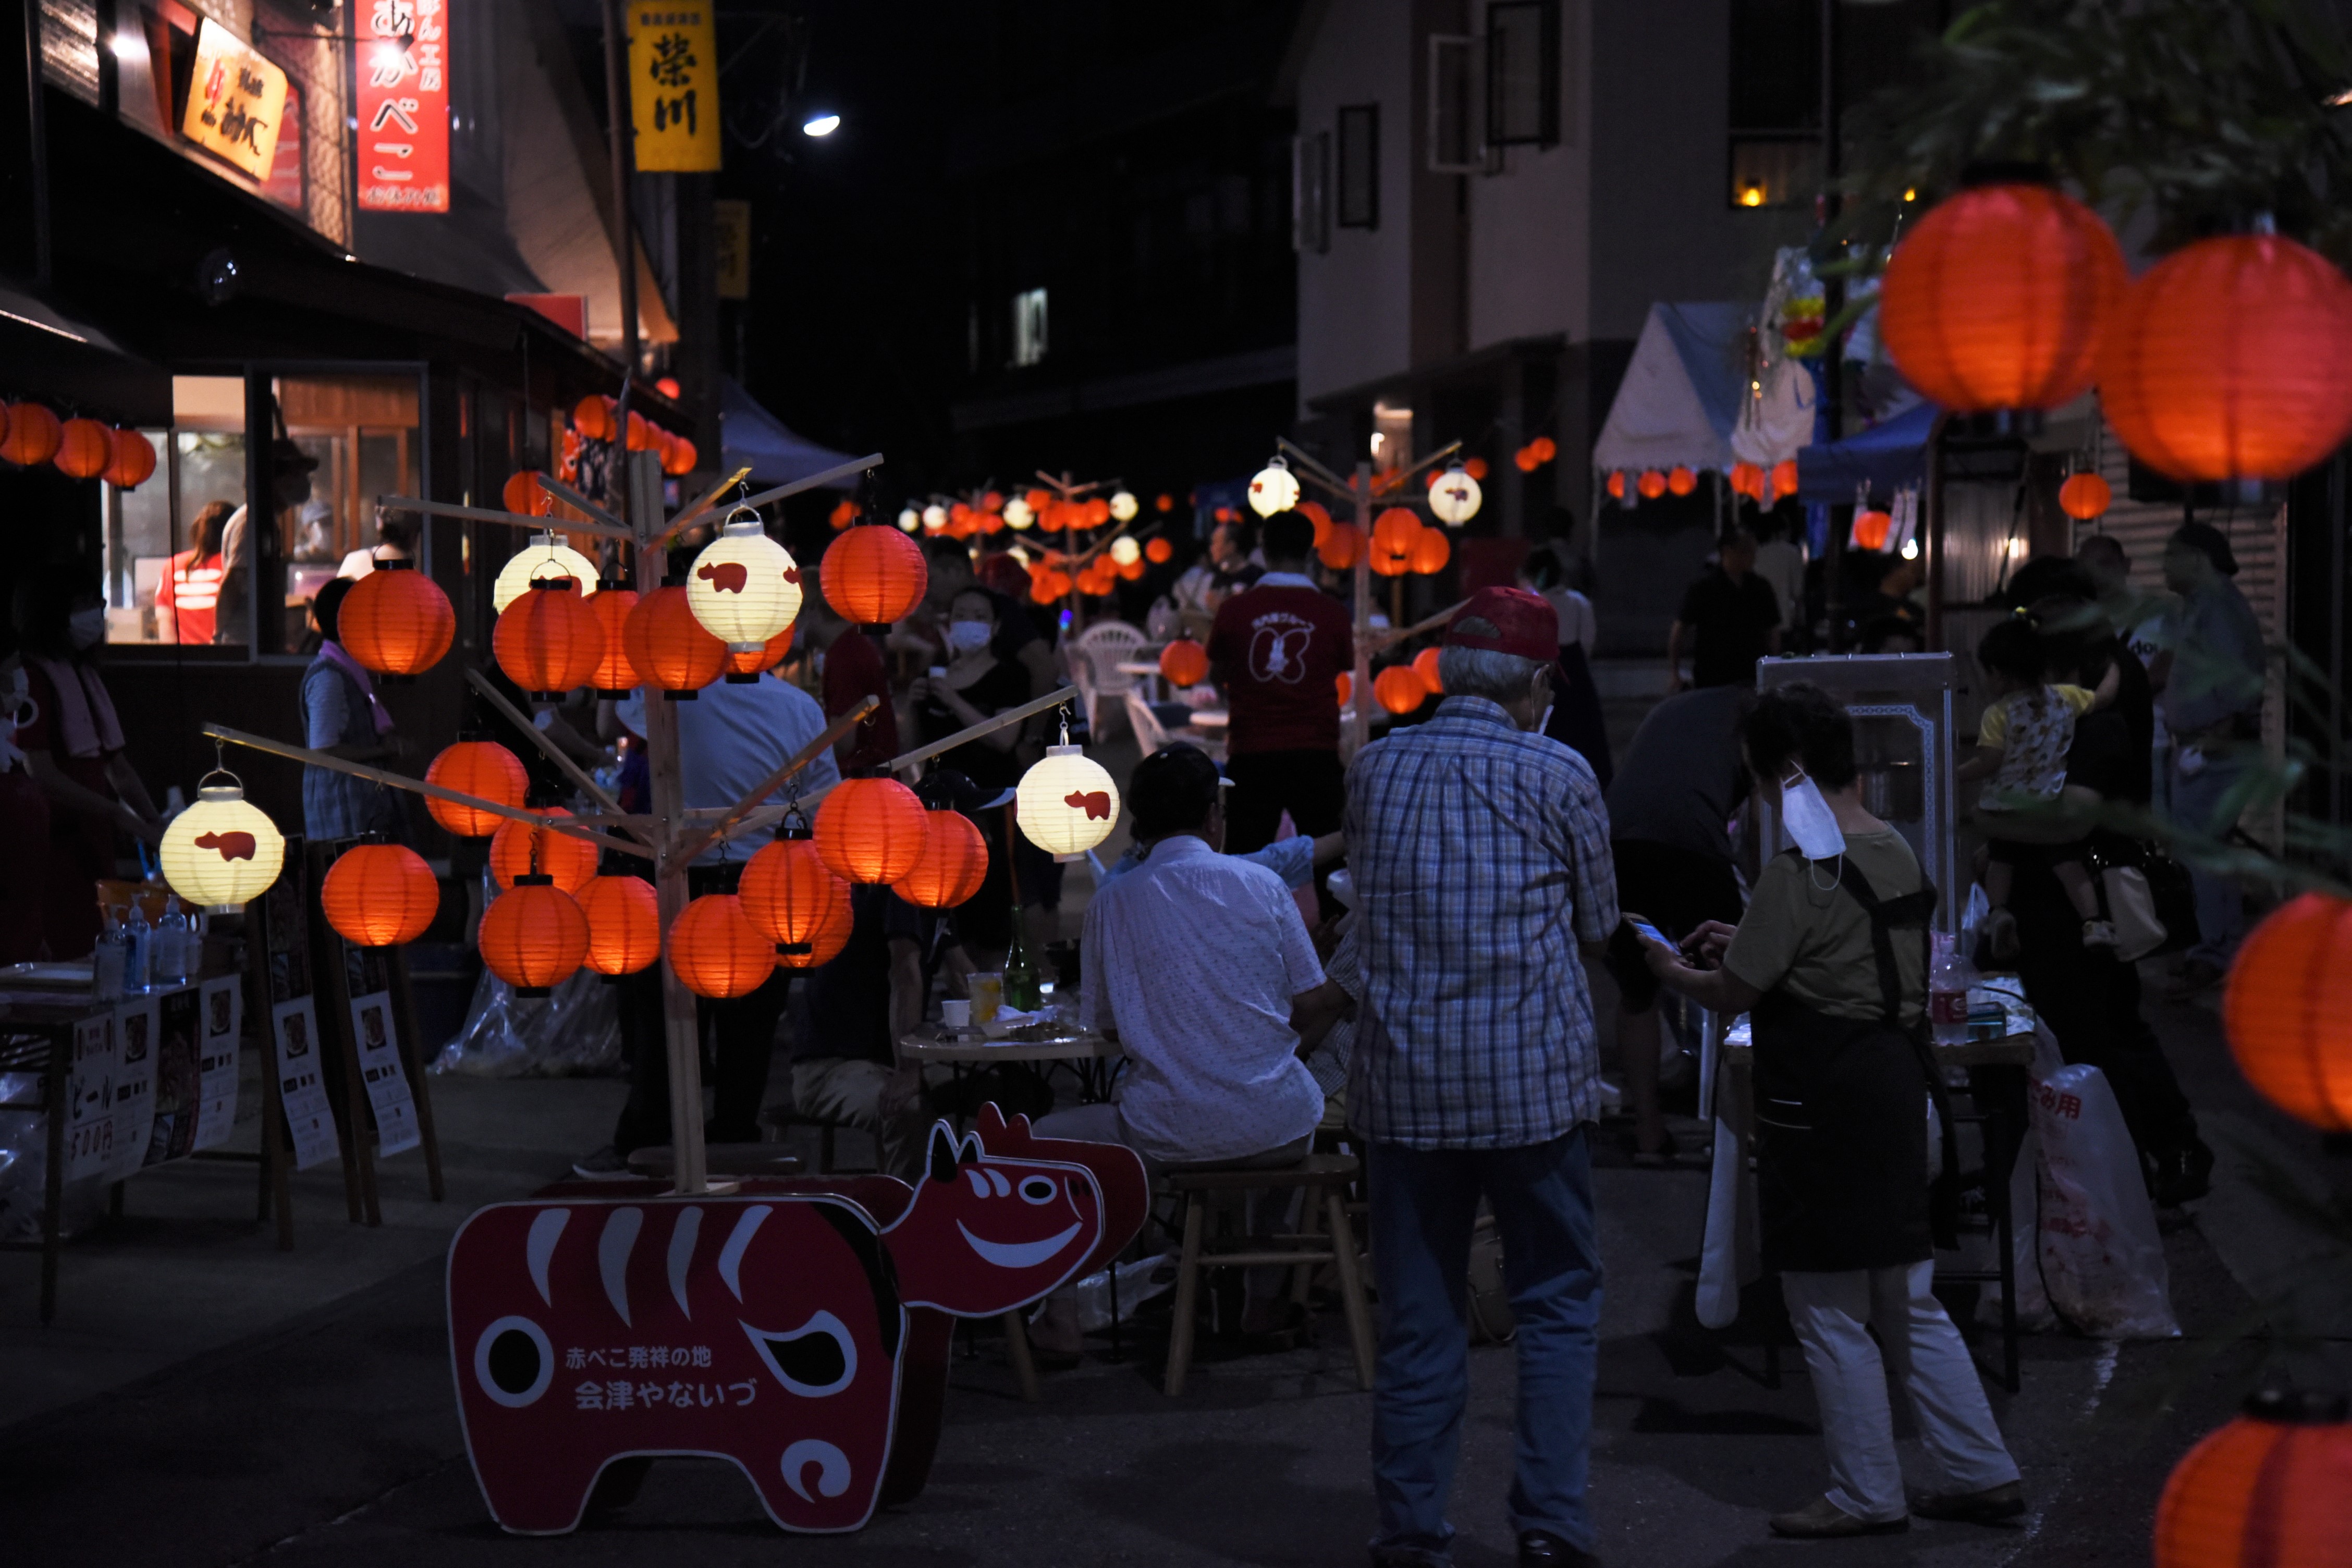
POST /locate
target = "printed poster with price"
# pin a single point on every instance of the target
(309, 1116)
(137, 1034)
(404, 106)
(178, 1099)
(89, 1099)
(369, 982)
(223, 1019)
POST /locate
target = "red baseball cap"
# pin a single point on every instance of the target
(1527, 625)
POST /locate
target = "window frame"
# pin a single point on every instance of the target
(1545, 133)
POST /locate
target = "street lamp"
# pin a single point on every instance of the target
(822, 125)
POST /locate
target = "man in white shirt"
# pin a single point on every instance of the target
(1780, 563)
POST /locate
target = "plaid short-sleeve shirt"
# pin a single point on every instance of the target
(1480, 856)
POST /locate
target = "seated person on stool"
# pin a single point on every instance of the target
(1200, 964)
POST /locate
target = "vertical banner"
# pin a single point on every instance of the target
(674, 86)
(223, 1019)
(89, 1097)
(731, 223)
(404, 106)
(309, 1116)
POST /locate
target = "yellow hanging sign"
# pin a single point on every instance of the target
(236, 102)
(674, 85)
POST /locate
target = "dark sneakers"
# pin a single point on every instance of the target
(1995, 1505)
(1822, 1520)
(1541, 1549)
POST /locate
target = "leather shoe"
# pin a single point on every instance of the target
(1541, 1549)
(1994, 1505)
(1822, 1520)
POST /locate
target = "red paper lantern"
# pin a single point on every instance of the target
(1431, 552)
(1871, 528)
(747, 665)
(1347, 686)
(1525, 459)
(134, 461)
(396, 621)
(1681, 482)
(623, 924)
(1398, 689)
(1747, 480)
(1046, 584)
(679, 458)
(2084, 496)
(1476, 468)
(33, 434)
(2283, 1015)
(1424, 665)
(1617, 485)
(592, 417)
(548, 639)
(1544, 449)
(1998, 299)
(533, 936)
(2226, 361)
(791, 898)
(644, 435)
(1784, 477)
(714, 951)
(85, 447)
(1315, 512)
(524, 497)
(870, 830)
(375, 895)
(2272, 1489)
(1158, 551)
(1131, 571)
(1653, 484)
(614, 674)
(952, 865)
(667, 647)
(1395, 532)
(844, 513)
(1184, 662)
(518, 849)
(1164, 502)
(874, 575)
(483, 769)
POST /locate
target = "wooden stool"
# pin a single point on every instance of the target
(1326, 1179)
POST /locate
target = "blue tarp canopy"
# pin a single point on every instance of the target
(751, 435)
(1886, 457)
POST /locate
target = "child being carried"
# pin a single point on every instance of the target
(2022, 749)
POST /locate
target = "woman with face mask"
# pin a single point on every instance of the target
(73, 749)
(1829, 962)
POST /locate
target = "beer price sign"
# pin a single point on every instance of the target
(404, 106)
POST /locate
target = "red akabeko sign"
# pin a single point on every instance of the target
(404, 106)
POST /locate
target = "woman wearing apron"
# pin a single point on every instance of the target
(1829, 962)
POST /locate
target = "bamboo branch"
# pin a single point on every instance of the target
(694, 842)
(1283, 445)
(565, 493)
(687, 516)
(994, 722)
(510, 519)
(553, 753)
(856, 465)
(566, 825)
(1391, 638)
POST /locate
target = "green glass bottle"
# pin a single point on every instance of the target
(1021, 991)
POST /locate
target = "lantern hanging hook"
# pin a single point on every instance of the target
(739, 509)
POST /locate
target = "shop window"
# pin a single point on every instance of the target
(1358, 185)
(1776, 103)
(1028, 327)
(1768, 171)
(1523, 73)
(359, 437)
(168, 578)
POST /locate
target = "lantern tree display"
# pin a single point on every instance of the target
(1066, 804)
(870, 830)
(548, 640)
(545, 557)
(668, 647)
(520, 848)
(2291, 978)
(223, 851)
(873, 576)
(396, 621)
(744, 587)
(623, 916)
(483, 769)
(715, 951)
(380, 895)
(533, 935)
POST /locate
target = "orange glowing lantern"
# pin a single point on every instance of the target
(747, 665)
(2226, 361)
(33, 434)
(678, 457)
(592, 417)
(1158, 551)
(519, 849)
(483, 769)
(1342, 546)
(715, 951)
(623, 924)
(951, 867)
(1871, 528)
(134, 461)
(376, 895)
(873, 576)
(1525, 460)
(396, 621)
(1398, 689)
(1544, 449)
(1653, 484)
(1394, 533)
(1431, 552)
(2267, 1489)
(2280, 1012)
(1346, 684)
(870, 830)
(1315, 512)
(1184, 662)
(1424, 665)
(1998, 299)
(614, 674)
(2084, 496)
(533, 936)
(525, 497)
(84, 448)
(1681, 480)
(1784, 477)
(548, 640)
(1617, 485)
(1747, 480)
(792, 897)
(645, 435)
(667, 647)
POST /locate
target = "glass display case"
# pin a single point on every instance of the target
(1902, 705)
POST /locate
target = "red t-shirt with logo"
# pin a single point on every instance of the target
(1280, 650)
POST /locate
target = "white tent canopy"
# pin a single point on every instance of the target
(1682, 401)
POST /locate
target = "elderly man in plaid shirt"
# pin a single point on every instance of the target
(1480, 854)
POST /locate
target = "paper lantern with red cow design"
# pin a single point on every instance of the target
(1066, 804)
(221, 852)
(744, 587)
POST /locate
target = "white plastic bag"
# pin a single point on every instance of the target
(2102, 1261)
(1137, 1282)
(575, 1032)
(1731, 1250)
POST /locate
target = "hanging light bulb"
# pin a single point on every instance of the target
(1274, 488)
(545, 557)
(223, 852)
(744, 587)
(1456, 497)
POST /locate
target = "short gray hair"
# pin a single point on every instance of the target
(1482, 672)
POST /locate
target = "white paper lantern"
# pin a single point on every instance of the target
(545, 556)
(1018, 514)
(1066, 804)
(1455, 497)
(744, 587)
(1126, 550)
(1123, 506)
(935, 517)
(223, 852)
(911, 519)
(1273, 490)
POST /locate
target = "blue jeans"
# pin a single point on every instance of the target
(1424, 1202)
(2220, 903)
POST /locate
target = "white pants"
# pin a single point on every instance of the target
(1833, 1314)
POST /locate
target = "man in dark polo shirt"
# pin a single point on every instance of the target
(1277, 652)
(1729, 619)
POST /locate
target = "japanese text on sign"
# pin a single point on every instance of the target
(236, 102)
(404, 106)
(674, 87)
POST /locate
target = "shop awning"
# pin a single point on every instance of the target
(1680, 397)
(753, 436)
(77, 365)
(1886, 457)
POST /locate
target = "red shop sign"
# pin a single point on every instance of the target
(404, 107)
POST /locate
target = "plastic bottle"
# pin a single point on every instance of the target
(138, 968)
(108, 960)
(172, 940)
(1948, 978)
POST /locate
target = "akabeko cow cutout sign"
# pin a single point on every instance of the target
(796, 1327)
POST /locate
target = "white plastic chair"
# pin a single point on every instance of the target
(1151, 735)
(1102, 648)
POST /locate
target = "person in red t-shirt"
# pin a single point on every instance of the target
(854, 669)
(1276, 651)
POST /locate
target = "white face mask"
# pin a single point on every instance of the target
(1808, 820)
(87, 628)
(969, 636)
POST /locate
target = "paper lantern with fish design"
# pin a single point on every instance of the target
(223, 851)
(1066, 804)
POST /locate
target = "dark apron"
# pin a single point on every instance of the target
(1841, 1142)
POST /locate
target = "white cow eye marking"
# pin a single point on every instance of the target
(979, 1183)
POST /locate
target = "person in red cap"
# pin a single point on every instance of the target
(1479, 850)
